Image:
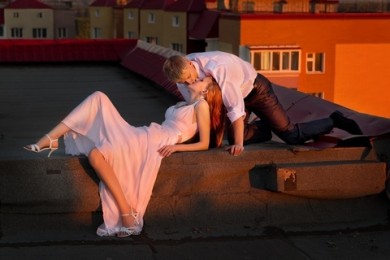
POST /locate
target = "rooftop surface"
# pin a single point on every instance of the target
(205, 205)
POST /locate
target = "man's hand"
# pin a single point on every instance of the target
(235, 149)
(238, 130)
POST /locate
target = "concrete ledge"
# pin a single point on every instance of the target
(69, 184)
(211, 188)
(324, 180)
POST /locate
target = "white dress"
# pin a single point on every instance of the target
(131, 151)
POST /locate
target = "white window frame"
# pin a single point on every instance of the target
(96, 33)
(151, 18)
(62, 33)
(175, 21)
(16, 32)
(276, 60)
(151, 39)
(130, 35)
(315, 62)
(130, 15)
(97, 13)
(177, 47)
(16, 14)
(39, 33)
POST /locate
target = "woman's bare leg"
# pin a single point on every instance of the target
(108, 177)
(58, 131)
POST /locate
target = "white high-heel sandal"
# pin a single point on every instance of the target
(36, 149)
(128, 231)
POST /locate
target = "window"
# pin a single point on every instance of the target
(175, 21)
(248, 6)
(315, 63)
(130, 15)
(16, 32)
(16, 15)
(278, 6)
(177, 47)
(39, 15)
(130, 35)
(97, 33)
(151, 18)
(39, 33)
(62, 33)
(151, 39)
(275, 60)
(97, 13)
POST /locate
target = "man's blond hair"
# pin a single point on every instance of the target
(174, 66)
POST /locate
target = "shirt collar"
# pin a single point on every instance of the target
(201, 74)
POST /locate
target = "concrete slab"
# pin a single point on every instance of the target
(322, 180)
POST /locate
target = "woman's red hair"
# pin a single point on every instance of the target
(217, 114)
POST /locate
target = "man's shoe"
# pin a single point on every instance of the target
(346, 124)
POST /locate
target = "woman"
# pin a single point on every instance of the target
(127, 158)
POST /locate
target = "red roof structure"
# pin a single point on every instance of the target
(156, 4)
(135, 4)
(27, 4)
(206, 26)
(64, 50)
(187, 6)
(147, 60)
(105, 3)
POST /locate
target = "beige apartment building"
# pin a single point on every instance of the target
(180, 18)
(32, 19)
(101, 18)
(40, 19)
(152, 21)
(131, 19)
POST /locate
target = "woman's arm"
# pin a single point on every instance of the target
(202, 114)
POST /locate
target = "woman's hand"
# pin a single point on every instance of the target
(167, 150)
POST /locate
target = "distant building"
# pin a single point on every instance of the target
(40, 19)
(180, 18)
(2, 33)
(106, 19)
(169, 23)
(32, 19)
(131, 19)
(152, 20)
(337, 56)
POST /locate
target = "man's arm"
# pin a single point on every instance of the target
(238, 130)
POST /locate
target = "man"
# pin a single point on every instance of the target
(245, 91)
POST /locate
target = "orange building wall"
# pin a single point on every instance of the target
(313, 33)
(362, 79)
